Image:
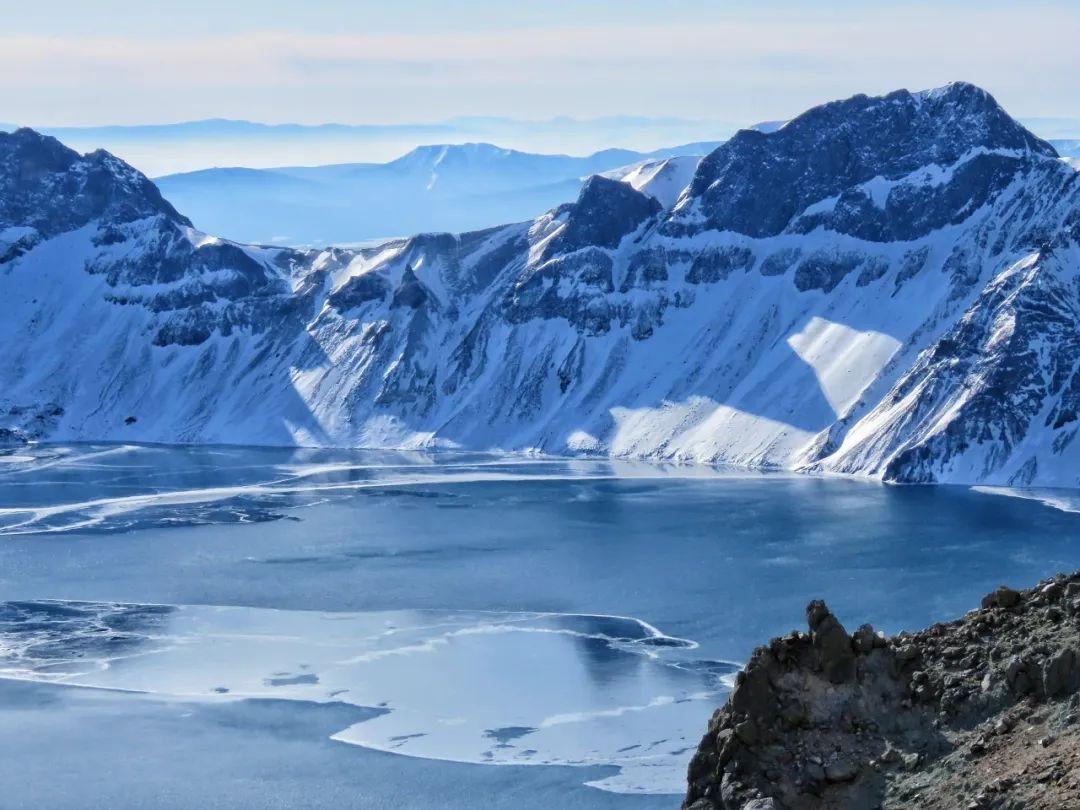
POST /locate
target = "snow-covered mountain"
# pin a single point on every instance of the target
(884, 286)
(663, 178)
(432, 188)
(187, 146)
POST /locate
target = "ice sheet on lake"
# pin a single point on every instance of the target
(1064, 499)
(224, 485)
(481, 687)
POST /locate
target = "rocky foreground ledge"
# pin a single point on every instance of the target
(977, 713)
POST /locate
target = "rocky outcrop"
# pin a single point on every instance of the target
(605, 211)
(977, 713)
(52, 189)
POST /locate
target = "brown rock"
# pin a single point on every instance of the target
(831, 642)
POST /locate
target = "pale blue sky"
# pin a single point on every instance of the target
(122, 61)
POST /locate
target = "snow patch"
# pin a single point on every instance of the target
(844, 360)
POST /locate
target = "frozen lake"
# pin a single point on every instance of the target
(242, 627)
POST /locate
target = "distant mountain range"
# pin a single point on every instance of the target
(159, 149)
(1069, 149)
(432, 188)
(884, 287)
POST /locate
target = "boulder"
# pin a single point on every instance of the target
(1003, 596)
(1021, 675)
(864, 640)
(1060, 675)
(831, 642)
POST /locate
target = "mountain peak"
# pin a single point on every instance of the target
(34, 151)
(47, 186)
(431, 155)
(758, 181)
(953, 118)
(956, 91)
(606, 210)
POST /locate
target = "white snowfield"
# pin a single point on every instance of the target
(945, 357)
(663, 179)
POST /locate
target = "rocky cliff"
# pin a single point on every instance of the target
(982, 712)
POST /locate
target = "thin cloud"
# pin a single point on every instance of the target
(735, 69)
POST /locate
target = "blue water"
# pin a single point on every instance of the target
(653, 579)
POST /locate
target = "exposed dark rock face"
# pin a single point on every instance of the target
(358, 291)
(823, 270)
(411, 292)
(978, 713)
(573, 287)
(605, 211)
(11, 438)
(715, 265)
(48, 187)
(757, 183)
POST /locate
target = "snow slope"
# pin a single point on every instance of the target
(883, 286)
(663, 179)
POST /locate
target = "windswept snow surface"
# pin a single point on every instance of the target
(664, 180)
(882, 286)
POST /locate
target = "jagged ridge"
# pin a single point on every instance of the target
(856, 291)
